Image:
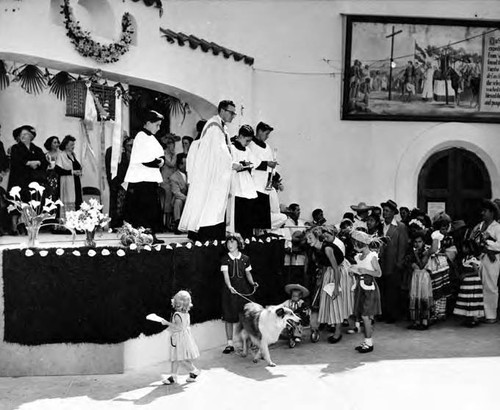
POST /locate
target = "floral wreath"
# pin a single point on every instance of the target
(88, 47)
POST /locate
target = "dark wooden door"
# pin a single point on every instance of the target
(459, 179)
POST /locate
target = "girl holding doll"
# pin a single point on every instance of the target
(237, 271)
(183, 348)
(366, 295)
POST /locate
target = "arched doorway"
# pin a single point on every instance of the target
(454, 180)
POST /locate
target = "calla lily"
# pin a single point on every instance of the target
(37, 187)
(34, 204)
(48, 208)
(15, 192)
(59, 202)
(11, 208)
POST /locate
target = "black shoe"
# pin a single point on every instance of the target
(157, 241)
(364, 348)
(422, 327)
(228, 349)
(332, 339)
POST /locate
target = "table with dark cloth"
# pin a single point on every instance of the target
(72, 298)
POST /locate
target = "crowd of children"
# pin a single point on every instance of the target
(444, 267)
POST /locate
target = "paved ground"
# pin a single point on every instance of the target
(447, 367)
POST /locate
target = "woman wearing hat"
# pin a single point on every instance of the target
(487, 234)
(334, 283)
(27, 164)
(143, 176)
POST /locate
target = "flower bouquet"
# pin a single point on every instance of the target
(129, 235)
(88, 218)
(34, 212)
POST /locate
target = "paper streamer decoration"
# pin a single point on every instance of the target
(116, 140)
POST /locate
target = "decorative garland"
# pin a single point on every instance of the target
(88, 47)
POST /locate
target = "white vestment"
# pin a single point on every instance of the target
(261, 154)
(242, 183)
(146, 148)
(209, 168)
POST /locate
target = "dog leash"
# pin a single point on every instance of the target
(244, 296)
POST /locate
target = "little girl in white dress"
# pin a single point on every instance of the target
(183, 348)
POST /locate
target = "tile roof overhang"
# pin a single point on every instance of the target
(205, 46)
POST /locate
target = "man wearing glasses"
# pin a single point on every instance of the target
(209, 178)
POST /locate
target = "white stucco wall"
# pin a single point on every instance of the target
(325, 162)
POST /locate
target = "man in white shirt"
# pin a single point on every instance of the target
(210, 167)
(262, 173)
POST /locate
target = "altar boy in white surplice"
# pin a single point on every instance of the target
(243, 193)
(263, 169)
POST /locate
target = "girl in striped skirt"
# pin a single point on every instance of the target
(470, 303)
(438, 265)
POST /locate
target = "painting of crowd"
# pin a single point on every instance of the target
(430, 73)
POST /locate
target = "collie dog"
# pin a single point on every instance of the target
(263, 327)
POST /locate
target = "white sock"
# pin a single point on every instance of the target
(229, 342)
(369, 341)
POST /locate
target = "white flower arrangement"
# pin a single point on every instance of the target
(34, 212)
(88, 218)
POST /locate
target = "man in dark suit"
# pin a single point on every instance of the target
(179, 186)
(391, 262)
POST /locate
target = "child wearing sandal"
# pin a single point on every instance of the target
(237, 272)
(183, 348)
(366, 294)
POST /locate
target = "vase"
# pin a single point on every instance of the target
(89, 238)
(33, 231)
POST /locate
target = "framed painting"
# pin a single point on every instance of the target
(421, 69)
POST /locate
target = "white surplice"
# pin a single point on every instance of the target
(261, 154)
(146, 148)
(209, 175)
(242, 183)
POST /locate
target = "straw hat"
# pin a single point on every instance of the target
(295, 286)
(361, 207)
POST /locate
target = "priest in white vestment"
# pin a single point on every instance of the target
(209, 167)
(266, 162)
